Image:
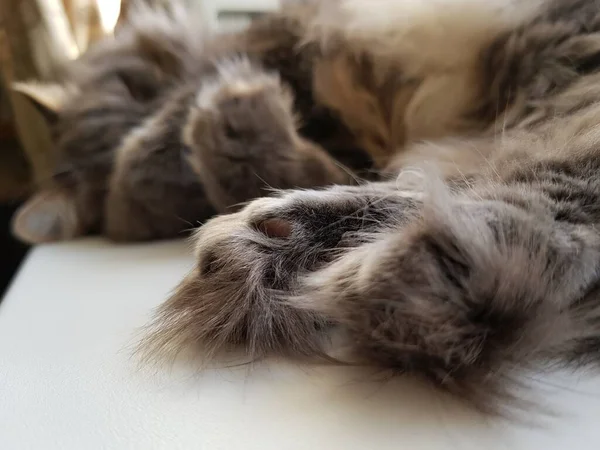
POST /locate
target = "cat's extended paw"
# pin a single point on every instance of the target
(249, 262)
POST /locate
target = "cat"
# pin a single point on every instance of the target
(472, 258)
(131, 161)
(476, 255)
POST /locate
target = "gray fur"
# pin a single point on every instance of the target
(474, 257)
(481, 262)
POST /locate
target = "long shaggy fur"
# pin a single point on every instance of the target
(483, 265)
(484, 269)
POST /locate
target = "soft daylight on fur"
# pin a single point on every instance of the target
(473, 257)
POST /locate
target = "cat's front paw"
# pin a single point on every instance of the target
(249, 263)
(240, 134)
(240, 113)
(241, 138)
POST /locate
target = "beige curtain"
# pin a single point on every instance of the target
(36, 37)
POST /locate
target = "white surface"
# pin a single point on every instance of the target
(67, 380)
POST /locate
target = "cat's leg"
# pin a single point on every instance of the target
(242, 138)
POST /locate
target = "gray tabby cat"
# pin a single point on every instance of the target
(475, 256)
(479, 257)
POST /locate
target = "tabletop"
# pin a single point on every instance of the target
(69, 380)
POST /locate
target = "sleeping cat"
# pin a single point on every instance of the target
(475, 256)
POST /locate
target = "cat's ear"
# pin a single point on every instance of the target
(48, 216)
(48, 98)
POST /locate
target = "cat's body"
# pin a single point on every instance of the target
(477, 258)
